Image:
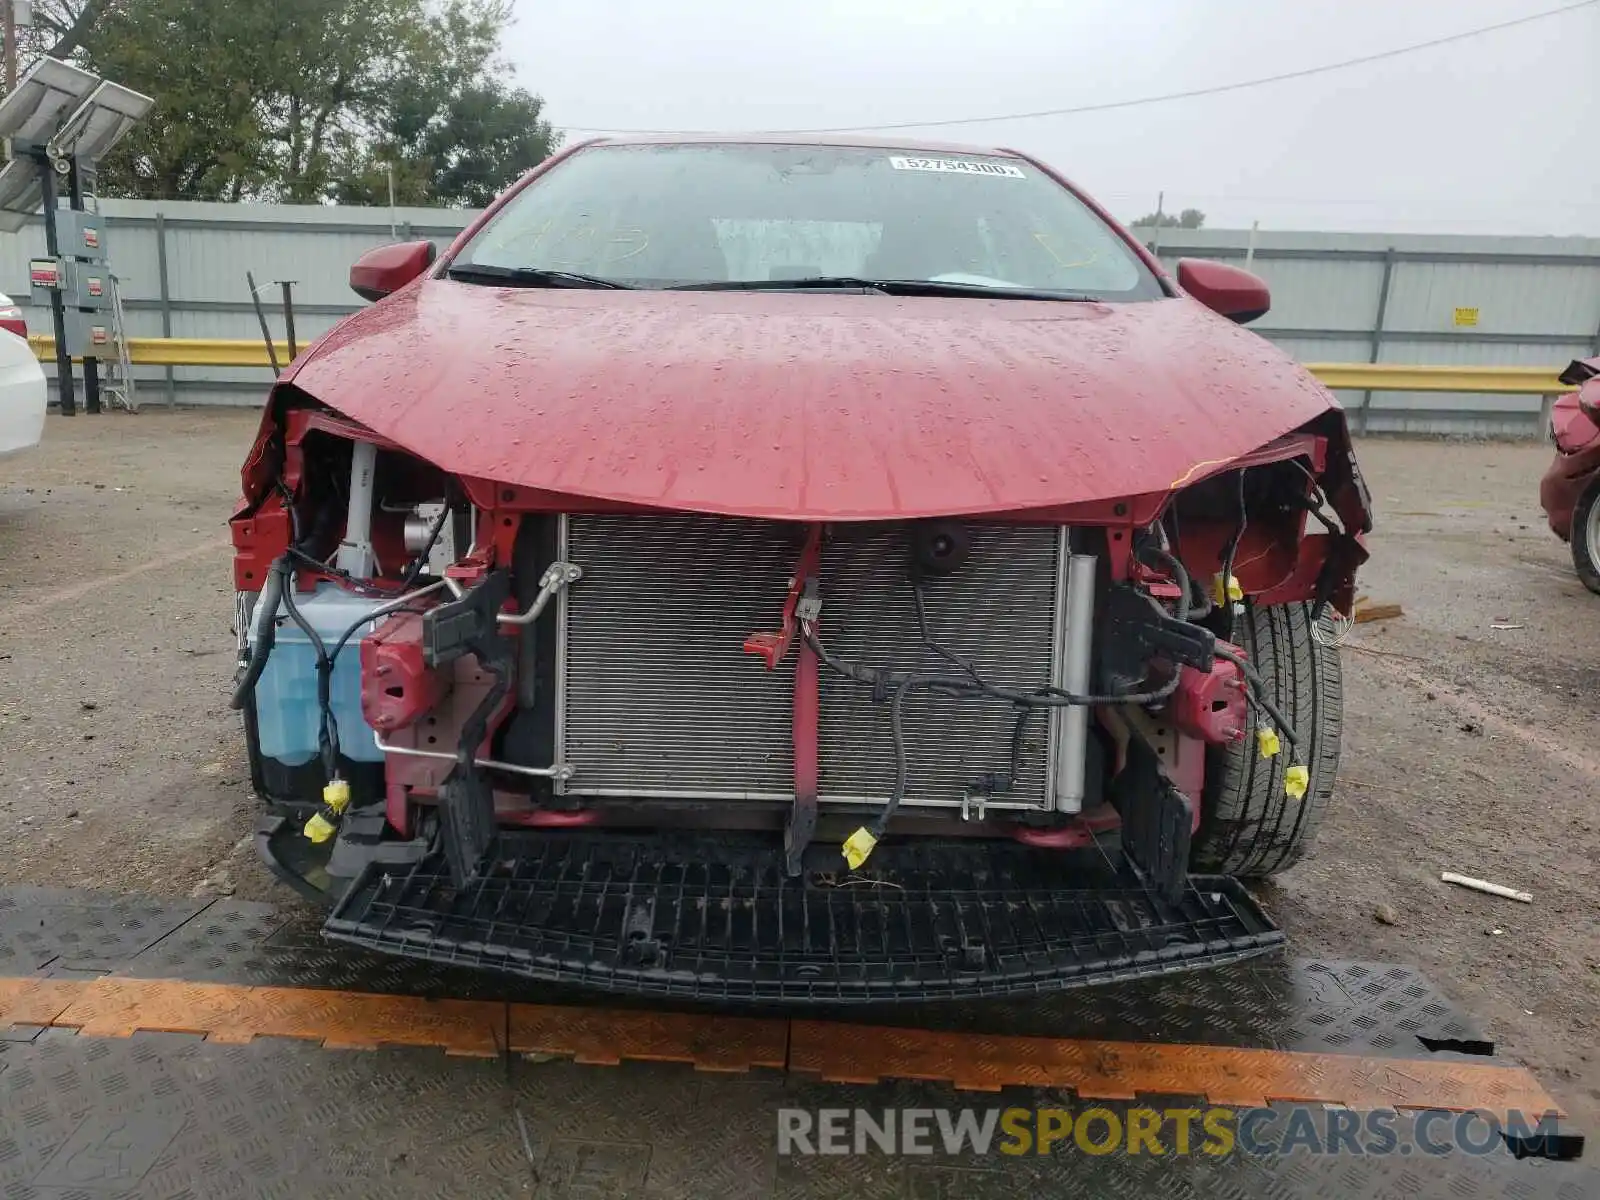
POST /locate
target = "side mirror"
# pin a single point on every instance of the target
(389, 268)
(1234, 293)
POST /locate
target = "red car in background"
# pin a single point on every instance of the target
(1570, 489)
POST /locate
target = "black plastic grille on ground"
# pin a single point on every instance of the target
(718, 920)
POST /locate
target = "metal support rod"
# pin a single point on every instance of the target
(394, 233)
(58, 312)
(1377, 332)
(91, 365)
(355, 556)
(1076, 668)
(556, 771)
(11, 44)
(261, 316)
(166, 300)
(288, 317)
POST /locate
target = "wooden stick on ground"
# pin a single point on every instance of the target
(1479, 885)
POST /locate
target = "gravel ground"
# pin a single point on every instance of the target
(1467, 748)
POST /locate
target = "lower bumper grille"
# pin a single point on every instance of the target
(658, 698)
(718, 920)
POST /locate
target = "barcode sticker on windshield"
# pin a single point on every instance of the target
(956, 166)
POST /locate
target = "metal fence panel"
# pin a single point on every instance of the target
(1471, 299)
(1337, 297)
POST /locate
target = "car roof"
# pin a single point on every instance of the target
(797, 139)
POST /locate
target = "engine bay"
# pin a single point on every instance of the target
(467, 658)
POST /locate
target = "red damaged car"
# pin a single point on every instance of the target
(1570, 489)
(824, 570)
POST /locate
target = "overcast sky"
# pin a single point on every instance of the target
(1500, 134)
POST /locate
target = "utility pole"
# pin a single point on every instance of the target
(58, 314)
(11, 44)
(91, 365)
(1155, 238)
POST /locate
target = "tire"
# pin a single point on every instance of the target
(1249, 827)
(1585, 537)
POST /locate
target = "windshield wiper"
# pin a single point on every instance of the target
(530, 277)
(892, 287)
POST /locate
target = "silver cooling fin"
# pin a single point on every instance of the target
(656, 697)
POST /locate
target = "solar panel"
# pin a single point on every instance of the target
(20, 194)
(99, 122)
(43, 97)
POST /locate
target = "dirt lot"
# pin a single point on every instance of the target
(1468, 748)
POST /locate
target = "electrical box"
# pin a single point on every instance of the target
(91, 287)
(81, 284)
(89, 335)
(81, 235)
(44, 276)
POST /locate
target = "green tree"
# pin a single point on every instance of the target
(1189, 218)
(454, 131)
(58, 27)
(314, 101)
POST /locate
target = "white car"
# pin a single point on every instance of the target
(22, 387)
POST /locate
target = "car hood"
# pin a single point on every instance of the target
(807, 406)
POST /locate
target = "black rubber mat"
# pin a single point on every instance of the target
(704, 920)
(1291, 1004)
(161, 1115)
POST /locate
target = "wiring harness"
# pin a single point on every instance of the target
(891, 685)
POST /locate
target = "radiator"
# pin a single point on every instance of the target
(657, 698)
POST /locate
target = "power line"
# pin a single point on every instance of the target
(1107, 106)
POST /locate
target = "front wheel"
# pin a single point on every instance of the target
(1249, 825)
(1586, 537)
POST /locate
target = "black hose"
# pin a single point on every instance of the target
(268, 601)
(999, 785)
(971, 684)
(1179, 573)
(383, 610)
(1257, 694)
(1257, 691)
(881, 679)
(881, 824)
(294, 513)
(359, 586)
(328, 729)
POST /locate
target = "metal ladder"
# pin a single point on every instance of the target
(118, 387)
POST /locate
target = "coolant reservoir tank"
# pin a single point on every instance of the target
(287, 716)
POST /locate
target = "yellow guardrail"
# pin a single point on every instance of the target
(1396, 377)
(183, 352)
(1376, 377)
